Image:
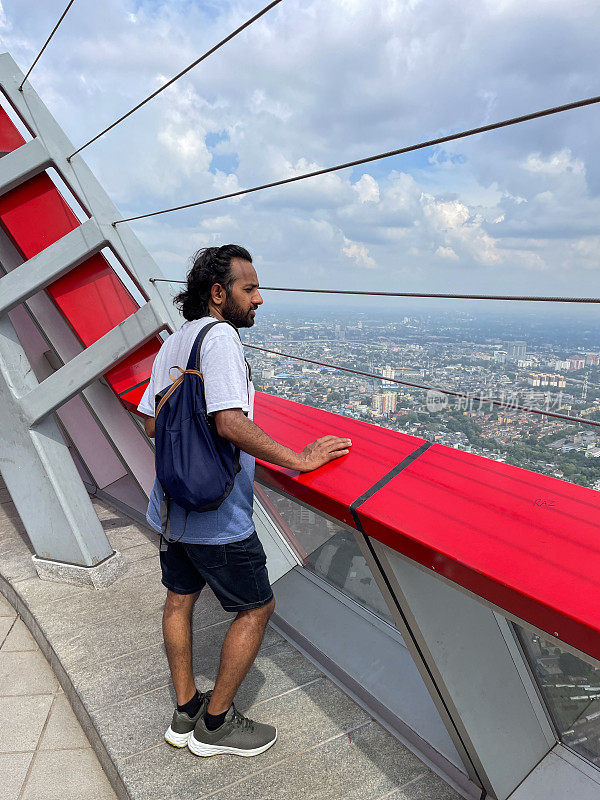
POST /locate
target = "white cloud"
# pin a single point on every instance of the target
(446, 252)
(359, 254)
(261, 104)
(367, 189)
(320, 82)
(556, 164)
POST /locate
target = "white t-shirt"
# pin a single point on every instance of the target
(227, 381)
(227, 384)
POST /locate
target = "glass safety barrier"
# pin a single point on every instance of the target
(571, 691)
(326, 548)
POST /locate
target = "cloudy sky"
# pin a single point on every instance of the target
(319, 82)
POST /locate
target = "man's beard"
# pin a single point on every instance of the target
(235, 314)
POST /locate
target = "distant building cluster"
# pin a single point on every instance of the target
(516, 350)
(546, 379)
(547, 373)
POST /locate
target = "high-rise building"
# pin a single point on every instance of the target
(515, 350)
(388, 372)
(576, 363)
(592, 359)
(500, 356)
(384, 403)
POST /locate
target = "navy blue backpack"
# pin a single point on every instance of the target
(194, 465)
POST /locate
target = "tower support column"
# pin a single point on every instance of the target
(44, 484)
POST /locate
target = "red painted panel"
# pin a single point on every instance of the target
(35, 215)
(331, 489)
(133, 370)
(526, 542)
(10, 138)
(91, 297)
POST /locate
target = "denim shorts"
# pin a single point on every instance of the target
(236, 572)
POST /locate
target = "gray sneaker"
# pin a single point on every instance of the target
(182, 725)
(237, 735)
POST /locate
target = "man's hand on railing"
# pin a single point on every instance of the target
(233, 425)
(322, 451)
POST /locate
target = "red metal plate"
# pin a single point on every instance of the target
(91, 297)
(10, 138)
(525, 542)
(331, 489)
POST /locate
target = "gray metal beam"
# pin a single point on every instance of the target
(462, 647)
(31, 404)
(40, 474)
(50, 264)
(85, 186)
(125, 437)
(94, 361)
(23, 163)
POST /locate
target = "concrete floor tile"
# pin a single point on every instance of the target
(122, 677)
(303, 718)
(101, 635)
(105, 512)
(142, 551)
(8, 510)
(19, 639)
(124, 537)
(126, 596)
(16, 561)
(21, 721)
(6, 624)
(67, 775)
(6, 610)
(277, 669)
(63, 731)
(41, 594)
(147, 565)
(96, 643)
(428, 787)
(25, 673)
(365, 764)
(145, 670)
(13, 769)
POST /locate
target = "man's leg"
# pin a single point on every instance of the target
(177, 633)
(239, 650)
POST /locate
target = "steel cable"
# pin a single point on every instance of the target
(400, 151)
(525, 298)
(63, 15)
(179, 75)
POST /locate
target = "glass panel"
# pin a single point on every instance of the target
(326, 549)
(571, 689)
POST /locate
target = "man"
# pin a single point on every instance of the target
(220, 548)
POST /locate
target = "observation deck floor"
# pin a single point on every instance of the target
(105, 647)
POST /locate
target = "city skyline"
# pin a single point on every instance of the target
(461, 353)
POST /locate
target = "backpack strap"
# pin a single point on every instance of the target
(194, 359)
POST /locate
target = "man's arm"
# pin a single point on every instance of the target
(232, 424)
